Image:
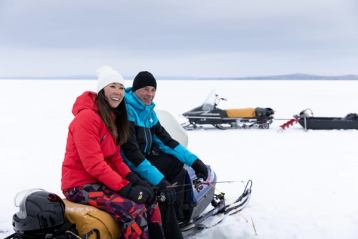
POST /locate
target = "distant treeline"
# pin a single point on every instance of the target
(269, 77)
(291, 77)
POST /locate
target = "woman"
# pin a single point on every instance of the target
(93, 172)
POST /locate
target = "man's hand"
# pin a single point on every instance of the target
(200, 169)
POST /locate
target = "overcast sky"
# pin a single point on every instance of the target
(179, 37)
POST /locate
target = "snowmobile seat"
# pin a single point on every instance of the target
(241, 113)
(88, 218)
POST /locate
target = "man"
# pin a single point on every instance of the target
(155, 155)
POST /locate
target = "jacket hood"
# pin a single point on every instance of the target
(85, 101)
(135, 102)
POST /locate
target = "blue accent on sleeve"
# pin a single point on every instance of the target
(185, 155)
(147, 171)
(180, 152)
(162, 146)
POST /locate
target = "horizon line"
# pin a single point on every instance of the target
(299, 76)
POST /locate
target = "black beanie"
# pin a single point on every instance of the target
(143, 79)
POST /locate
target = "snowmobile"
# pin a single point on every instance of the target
(203, 198)
(306, 119)
(202, 202)
(209, 114)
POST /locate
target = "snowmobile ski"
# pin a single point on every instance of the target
(219, 211)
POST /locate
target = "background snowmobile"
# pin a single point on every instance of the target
(209, 114)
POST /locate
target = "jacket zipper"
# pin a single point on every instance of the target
(148, 135)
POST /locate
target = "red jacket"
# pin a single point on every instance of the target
(91, 153)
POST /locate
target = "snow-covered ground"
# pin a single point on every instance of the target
(305, 183)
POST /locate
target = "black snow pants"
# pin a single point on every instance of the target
(174, 172)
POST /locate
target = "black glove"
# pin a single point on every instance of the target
(135, 179)
(167, 193)
(137, 193)
(200, 169)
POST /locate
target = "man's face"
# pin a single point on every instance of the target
(146, 94)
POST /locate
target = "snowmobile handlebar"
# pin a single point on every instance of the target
(198, 184)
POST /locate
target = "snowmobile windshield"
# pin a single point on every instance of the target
(20, 201)
(210, 100)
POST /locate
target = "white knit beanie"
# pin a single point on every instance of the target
(107, 75)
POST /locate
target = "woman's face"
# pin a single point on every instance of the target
(114, 94)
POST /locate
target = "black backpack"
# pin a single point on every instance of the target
(41, 215)
(65, 231)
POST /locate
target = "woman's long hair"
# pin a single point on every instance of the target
(118, 126)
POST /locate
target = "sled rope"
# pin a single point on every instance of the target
(281, 119)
